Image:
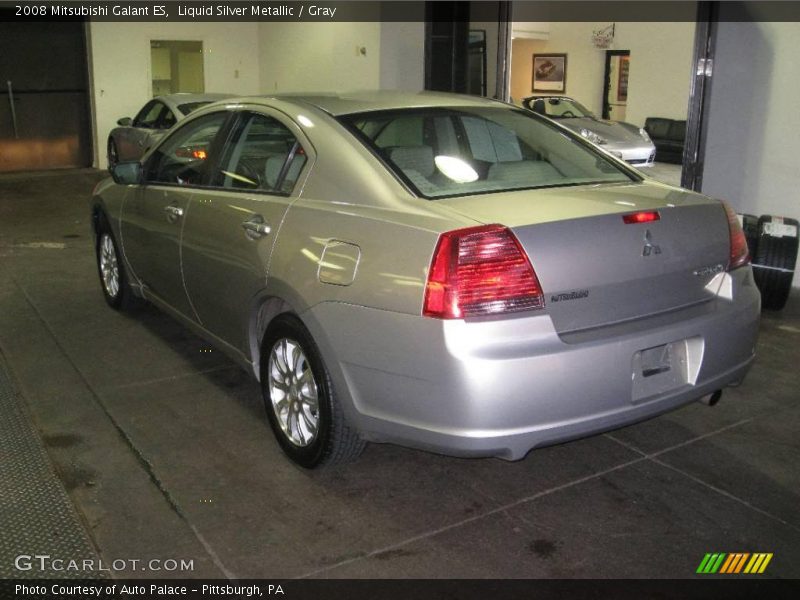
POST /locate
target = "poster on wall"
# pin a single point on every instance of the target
(549, 73)
(622, 82)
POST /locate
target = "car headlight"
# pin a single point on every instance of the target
(643, 133)
(593, 137)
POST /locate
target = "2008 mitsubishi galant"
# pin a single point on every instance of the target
(443, 272)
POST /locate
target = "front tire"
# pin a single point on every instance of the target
(301, 405)
(110, 268)
(113, 154)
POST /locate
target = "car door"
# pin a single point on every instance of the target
(153, 214)
(230, 230)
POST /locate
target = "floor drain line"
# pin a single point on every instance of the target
(140, 458)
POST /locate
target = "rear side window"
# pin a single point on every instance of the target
(183, 157)
(263, 155)
(443, 152)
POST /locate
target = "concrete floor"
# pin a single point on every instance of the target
(163, 447)
(665, 173)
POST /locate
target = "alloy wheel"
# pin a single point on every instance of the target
(293, 392)
(109, 266)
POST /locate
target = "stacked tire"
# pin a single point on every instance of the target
(773, 245)
(750, 227)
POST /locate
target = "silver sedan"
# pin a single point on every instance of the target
(624, 140)
(438, 271)
(132, 137)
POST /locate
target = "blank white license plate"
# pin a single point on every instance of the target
(660, 369)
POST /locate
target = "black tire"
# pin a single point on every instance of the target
(773, 264)
(112, 154)
(111, 267)
(334, 441)
(750, 227)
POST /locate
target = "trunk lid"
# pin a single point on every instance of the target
(594, 268)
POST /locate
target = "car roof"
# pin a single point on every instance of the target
(187, 98)
(345, 103)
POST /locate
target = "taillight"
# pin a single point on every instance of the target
(739, 254)
(480, 271)
(647, 216)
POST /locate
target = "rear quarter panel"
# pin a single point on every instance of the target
(394, 252)
(349, 196)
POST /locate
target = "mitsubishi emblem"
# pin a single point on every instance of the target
(649, 246)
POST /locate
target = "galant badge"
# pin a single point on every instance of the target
(649, 246)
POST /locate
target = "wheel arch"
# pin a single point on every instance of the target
(98, 216)
(265, 310)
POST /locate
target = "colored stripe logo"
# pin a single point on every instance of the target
(734, 563)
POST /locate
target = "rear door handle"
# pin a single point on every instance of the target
(256, 228)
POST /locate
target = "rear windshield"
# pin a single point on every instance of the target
(190, 106)
(443, 152)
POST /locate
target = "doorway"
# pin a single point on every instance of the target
(615, 87)
(44, 101)
(176, 66)
(476, 79)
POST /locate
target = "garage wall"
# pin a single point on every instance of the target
(660, 75)
(661, 68)
(120, 58)
(752, 143)
(301, 57)
(402, 60)
(584, 63)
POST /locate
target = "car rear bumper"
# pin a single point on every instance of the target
(502, 387)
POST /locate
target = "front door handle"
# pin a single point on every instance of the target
(256, 227)
(173, 212)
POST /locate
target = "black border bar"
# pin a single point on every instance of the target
(730, 587)
(385, 11)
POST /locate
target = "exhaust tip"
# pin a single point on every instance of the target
(712, 399)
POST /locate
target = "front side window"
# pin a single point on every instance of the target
(167, 119)
(264, 155)
(183, 157)
(148, 116)
(443, 152)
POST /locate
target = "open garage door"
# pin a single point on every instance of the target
(44, 101)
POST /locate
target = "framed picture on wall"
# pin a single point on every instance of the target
(549, 73)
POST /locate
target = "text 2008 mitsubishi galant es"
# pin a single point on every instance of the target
(443, 272)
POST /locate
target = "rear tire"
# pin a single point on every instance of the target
(773, 264)
(302, 408)
(750, 227)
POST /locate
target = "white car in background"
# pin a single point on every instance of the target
(623, 140)
(133, 137)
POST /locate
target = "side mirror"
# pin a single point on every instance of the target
(125, 122)
(127, 173)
